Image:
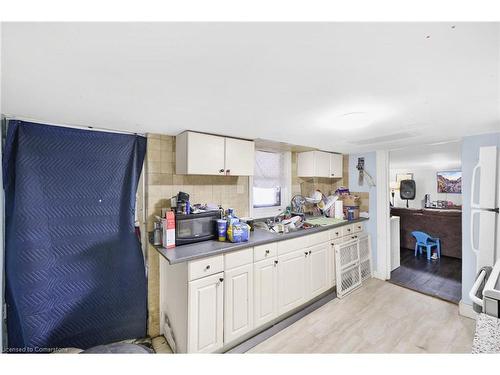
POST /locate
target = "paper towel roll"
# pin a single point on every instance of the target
(339, 209)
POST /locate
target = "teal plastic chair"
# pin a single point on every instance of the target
(424, 240)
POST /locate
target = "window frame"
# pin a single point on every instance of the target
(263, 212)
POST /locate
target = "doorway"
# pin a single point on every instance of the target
(426, 222)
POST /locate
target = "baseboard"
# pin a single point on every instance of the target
(466, 310)
(379, 276)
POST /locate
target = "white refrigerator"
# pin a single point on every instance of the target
(485, 200)
(485, 230)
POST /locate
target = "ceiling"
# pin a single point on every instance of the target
(437, 156)
(342, 87)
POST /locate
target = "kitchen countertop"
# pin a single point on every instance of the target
(203, 249)
(487, 336)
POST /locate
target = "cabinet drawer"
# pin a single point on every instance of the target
(318, 238)
(285, 247)
(267, 251)
(205, 267)
(299, 243)
(339, 241)
(336, 233)
(238, 258)
(347, 230)
(358, 227)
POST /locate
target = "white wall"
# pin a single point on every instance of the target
(424, 162)
(426, 183)
(370, 167)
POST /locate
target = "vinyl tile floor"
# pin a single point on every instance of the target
(440, 278)
(379, 317)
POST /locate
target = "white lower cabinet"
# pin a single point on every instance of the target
(206, 319)
(209, 304)
(238, 302)
(292, 280)
(318, 268)
(265, 291)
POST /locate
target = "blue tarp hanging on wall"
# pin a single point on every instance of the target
(75, 274)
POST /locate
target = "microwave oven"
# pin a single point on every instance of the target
(196, 227)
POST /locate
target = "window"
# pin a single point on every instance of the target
(271, 183)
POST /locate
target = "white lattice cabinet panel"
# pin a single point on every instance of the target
(347, 269)
(352, 264)
(365, 259)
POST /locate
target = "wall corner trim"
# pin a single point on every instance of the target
(466, 310)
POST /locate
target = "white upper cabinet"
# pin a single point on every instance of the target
(319, 164)
(206, 154)
(239, 157)
(336, 165)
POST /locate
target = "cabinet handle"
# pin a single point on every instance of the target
(207, 267)
(267, 252)
(306, 253)
(228, 171)
(348, 229)
(275, 263)
(221, 279)
(221, 170)
(336, 233)
(310, 252)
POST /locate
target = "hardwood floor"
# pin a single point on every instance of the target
(441, 278)
(380, 317)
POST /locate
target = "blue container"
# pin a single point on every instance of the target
(221, 229)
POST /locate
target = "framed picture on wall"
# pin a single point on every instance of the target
(403, 176)
(449, 182)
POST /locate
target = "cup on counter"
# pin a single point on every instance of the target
(221, 229)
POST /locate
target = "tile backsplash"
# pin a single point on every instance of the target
(163, 183)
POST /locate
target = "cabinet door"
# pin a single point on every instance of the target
(292, 280)
(265, 291)
(238, 302)
(336, 165)
(205, 322)
(239, 157)
(205, 154)
(318, 269)
(321, 164)
(305, 164)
